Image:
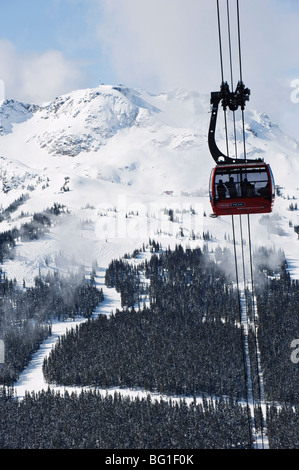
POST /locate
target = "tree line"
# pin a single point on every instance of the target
(13, 206)
(33, 230)
(49, 420)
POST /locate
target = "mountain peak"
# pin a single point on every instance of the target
(14, 112)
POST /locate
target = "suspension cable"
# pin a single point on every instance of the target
(243, 126)
(250, 245)
(231, 73)
(245, 373)
(239, 40)
(241, 75)
(220, 42)
(222, 73)
(255, 333)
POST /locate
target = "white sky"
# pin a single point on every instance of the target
(49, 47)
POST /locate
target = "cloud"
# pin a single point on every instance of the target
(160, 44)
(37, 77)
(174, 43)
(269, 53)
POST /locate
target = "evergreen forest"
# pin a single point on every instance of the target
(49, 420)
(178, 333)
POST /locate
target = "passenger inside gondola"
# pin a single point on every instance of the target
(265, 191)
(247, 188)
(221, 190)
(231, 186)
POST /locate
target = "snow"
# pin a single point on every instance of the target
(130, 157)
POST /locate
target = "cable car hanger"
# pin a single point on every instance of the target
(231, 100)
(237, 185)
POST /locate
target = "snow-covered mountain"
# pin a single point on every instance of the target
(121, 161)
(131, 137)
(114, 150)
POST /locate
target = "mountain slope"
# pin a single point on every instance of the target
(119, 158)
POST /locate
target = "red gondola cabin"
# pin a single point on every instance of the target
(246, 188)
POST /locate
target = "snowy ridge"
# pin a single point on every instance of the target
(115, 131)
(14, 112)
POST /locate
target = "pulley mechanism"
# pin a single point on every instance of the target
(234, 99)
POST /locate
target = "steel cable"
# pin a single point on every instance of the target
(233, 228)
